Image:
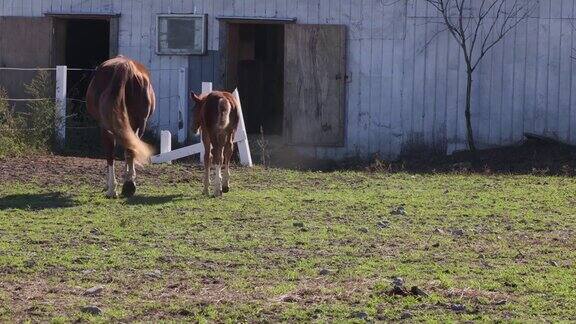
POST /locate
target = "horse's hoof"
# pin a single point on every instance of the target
(128, 189)
(225, 189)
(217, 193)
(111, 195)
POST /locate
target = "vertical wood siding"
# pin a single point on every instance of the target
(402, 96)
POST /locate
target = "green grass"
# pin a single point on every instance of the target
(172, 254)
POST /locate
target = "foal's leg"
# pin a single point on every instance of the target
(228, 150)
(108, 144)
(207, 162)
(218, 156)
(129, 187)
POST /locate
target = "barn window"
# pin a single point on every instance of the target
(181, 34)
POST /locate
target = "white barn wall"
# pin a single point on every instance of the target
(402, 96)
(137, 32)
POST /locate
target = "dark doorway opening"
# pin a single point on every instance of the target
(255, 64)
(87, 42)
(86, 45)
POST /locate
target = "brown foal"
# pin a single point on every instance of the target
(216, 116)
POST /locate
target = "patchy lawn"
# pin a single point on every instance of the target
(284, 246)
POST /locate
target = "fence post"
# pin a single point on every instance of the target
(60, 116)
(243, 146)
(183, 106)
(206, 88)
(165, 142)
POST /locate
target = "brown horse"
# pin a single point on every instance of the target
(121, 98)
(216, 115)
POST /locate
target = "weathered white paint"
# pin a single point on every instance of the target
(401, 95)
(240, 137)
(165, 144)
(206, 89)
(183, 109)
(60, 116)
(169, 156)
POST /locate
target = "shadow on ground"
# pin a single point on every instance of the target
(535, 155)
(153, 200)
(37, 201)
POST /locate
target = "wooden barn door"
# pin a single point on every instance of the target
(315, 84)
(25, 42)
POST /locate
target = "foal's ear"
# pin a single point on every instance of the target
(194, 97)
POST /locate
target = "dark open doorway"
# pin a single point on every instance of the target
(85, 44)
(255, 64)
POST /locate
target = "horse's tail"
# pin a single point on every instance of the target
(224, 108)
(121, 126)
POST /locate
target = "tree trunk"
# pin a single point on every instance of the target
(470, 132)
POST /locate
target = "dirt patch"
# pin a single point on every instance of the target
(36, 298)
(60, 170)
(535, 155)
(476, 295)
(315, 291)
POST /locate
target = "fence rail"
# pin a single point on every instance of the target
(177, 100)
(27, 99)
(42, 69)
(73, 69)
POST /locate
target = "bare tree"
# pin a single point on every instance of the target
(477, 26)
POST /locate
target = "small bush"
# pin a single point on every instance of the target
(41, 113)
(33, 128)
(10, 128)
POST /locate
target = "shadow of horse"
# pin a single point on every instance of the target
(37, 201)
(152, 200)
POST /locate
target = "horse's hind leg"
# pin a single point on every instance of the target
(108, 144)
(129, 187)
(218, 156)
(228, 150)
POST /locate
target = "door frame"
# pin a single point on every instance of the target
(113, 19)
(225, 22)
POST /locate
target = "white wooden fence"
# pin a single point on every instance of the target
(61, 93)
(167, 155)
